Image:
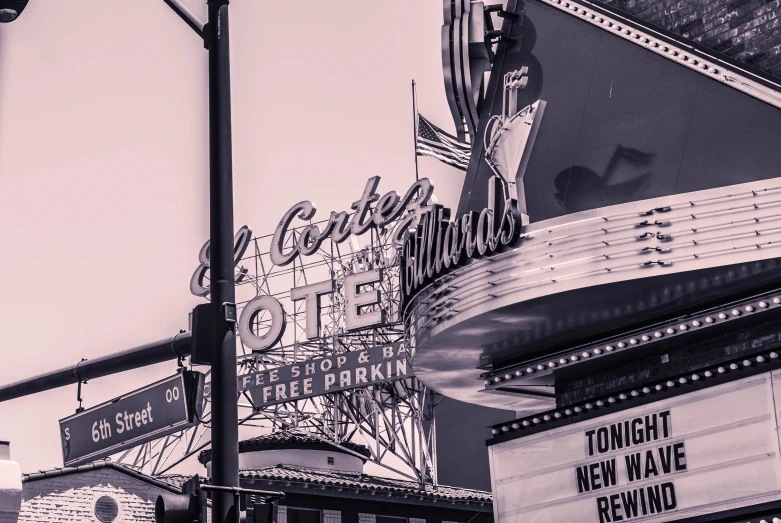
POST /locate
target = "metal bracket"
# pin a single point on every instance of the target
(78, 387)
(188, 17)
(500, 12)
(229, 312)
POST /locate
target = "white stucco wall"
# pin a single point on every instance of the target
(298, 457)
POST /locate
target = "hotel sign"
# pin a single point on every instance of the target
(349, 370)
(693, 454)
(155, 411)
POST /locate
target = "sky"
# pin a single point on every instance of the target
(104, 164)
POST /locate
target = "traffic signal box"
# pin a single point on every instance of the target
(191, 505)
(188, 507)
(203, 340)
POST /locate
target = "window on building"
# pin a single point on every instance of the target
(332, 516)
(330, 460)
(303, 515)
(106, 509)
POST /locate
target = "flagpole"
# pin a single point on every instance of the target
(415, 127)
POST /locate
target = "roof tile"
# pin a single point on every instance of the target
(364, 482)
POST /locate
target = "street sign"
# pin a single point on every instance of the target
(349, 370)
(170, 405)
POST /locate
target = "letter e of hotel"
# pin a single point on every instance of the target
(354, 299)
(250, 313)
(311, 294)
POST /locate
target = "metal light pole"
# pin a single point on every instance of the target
(225, 432)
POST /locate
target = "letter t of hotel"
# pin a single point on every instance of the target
(312, 293)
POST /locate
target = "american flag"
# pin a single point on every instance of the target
(433, 141)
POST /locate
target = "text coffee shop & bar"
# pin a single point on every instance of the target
(611, 274)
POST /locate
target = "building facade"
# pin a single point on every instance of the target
(99, 492)
(326, 484)
(620, 295)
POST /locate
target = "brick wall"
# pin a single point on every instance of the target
(72, 497)
(746, 30)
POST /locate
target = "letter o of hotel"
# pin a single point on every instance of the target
(250, 313)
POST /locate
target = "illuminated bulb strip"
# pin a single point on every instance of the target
(544, 417)
(683, 327)
(710, 67)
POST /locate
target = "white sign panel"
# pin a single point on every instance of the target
(699, 453)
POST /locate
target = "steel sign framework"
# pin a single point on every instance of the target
(395, 420)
